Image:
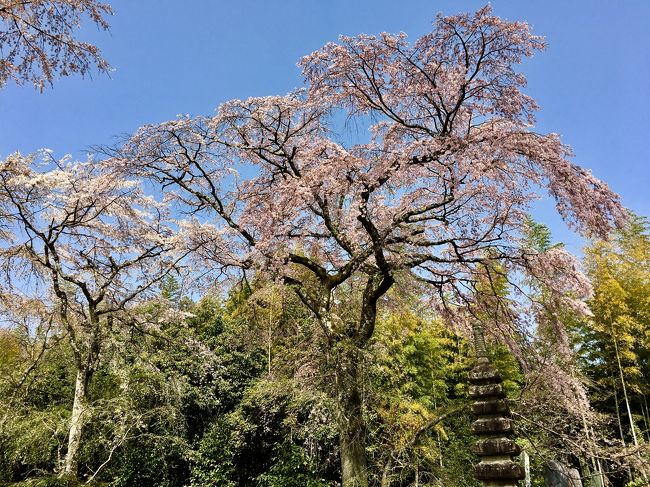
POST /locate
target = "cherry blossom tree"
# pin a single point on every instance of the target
(440, 190)
(83, 246)
(37, 43)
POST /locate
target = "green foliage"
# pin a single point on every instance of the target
(154, 393)
(616, 340)
(236, 391)
(149, 461)
(506, 363)
(34, 408)
(418, 370)
(539, 236)
(279, 435)
(31, 440)
(456, 453)
(291, 468)
(170, 290)
(415, 358)
(54, 481)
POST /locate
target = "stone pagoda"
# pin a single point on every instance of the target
(493, 425)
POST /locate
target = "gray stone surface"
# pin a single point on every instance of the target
(558, 475)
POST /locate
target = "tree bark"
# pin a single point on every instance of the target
(86, 366)
(77, 420)
(347, 341)
(354, 462)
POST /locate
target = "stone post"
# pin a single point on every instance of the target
(493, 425)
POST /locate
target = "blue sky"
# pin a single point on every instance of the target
(171, 57)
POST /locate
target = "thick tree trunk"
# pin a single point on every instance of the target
(79, 406)
(354, 463)
(347, 344)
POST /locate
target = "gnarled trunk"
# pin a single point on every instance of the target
(347, 342)
(352, 441)
(77, 420)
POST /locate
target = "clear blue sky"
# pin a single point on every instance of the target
(172, 57)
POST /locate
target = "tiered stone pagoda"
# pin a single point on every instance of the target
(493, 425)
